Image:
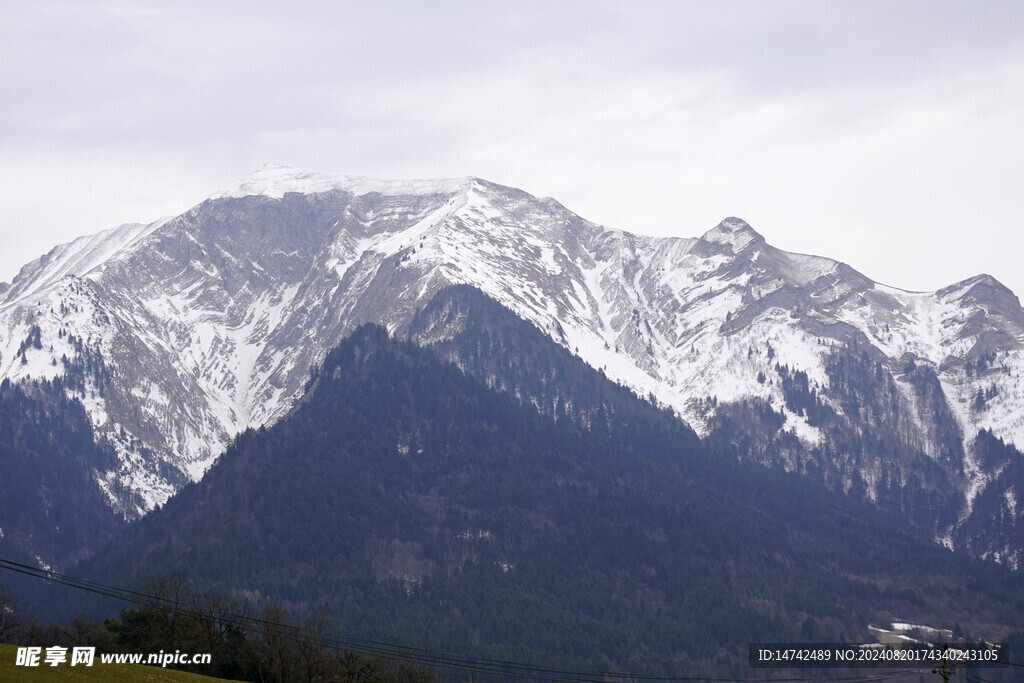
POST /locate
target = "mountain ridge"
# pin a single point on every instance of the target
(207, 323)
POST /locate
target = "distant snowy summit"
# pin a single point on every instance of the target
(276, 180)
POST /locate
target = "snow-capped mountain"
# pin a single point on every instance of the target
(179, 334)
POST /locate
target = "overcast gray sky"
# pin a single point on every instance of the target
(885, 134)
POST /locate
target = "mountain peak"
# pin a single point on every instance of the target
(733, 231)
(983, 289)
(276, 180)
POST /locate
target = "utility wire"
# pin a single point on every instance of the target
(403, 653)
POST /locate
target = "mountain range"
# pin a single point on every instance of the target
(177, 336)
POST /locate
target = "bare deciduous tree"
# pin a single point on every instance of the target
(9, 618)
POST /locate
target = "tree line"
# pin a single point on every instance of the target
(249, 640)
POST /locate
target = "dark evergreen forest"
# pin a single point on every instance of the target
(50, 502)
(414, 504)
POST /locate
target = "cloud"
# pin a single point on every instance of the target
(881, 134)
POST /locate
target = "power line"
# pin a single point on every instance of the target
(394, 651)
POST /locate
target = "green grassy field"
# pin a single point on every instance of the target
(114, 673)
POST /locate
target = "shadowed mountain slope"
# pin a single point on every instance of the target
(416, 504)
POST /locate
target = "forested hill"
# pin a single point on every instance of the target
(488, 341)
(417, 505)
(52, 511)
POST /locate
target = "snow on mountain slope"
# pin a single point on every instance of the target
(186, 331)
(77, 257)
(275, 180)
